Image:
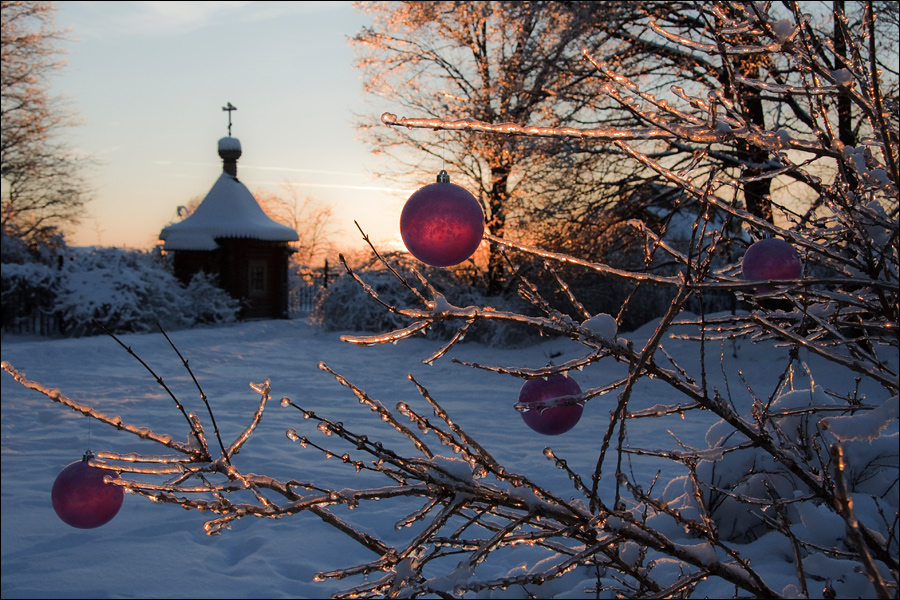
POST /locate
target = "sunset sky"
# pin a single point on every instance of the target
(148, 81)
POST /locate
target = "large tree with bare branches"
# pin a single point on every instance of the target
(496, 62)
(312, 219)
(43, 183)
(526, 63)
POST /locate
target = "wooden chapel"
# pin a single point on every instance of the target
(231, 237)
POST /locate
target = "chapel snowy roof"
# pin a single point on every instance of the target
(229, 210)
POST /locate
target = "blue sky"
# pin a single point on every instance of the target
(148, 81)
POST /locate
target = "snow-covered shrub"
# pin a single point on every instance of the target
(205, 303)
(743, 482)
(13, 249)
(347, 306)
(122, 290)
(791, 469)
(132, 290)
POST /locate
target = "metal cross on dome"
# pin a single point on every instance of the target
(229, 108)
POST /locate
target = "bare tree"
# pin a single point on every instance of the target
(312, 219)
(43, 184)
(499, 62)
(524, 63)
(682, 44)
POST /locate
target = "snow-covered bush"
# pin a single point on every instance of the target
(791, 469)
(205, 303)
(122, 290)
(13, 249)
(131, 290)
(347, 306)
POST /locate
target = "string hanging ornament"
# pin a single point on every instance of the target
(442, 223)
(81, 496)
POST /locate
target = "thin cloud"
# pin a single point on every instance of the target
(298, 170)
(342, 186)
(103, 19)
(244, 167)
(336, 186)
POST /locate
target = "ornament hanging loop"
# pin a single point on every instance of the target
(443, 177)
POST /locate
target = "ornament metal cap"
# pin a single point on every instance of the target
(443, 177)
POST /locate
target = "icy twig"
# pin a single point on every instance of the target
(390, 267)
(203, 397)
(889, 379)
(457, 337)
(855, 530)
(561, 464)
(598, 134)
(481, 456)
(887, 135)
(593, 266)
(634, 373)
(366, 287)
(263, 391)
(390, 337)
(568, 292)
(193, 422)
(86, 409)
(379, 408)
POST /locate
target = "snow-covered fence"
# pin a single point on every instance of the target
(306, 287)
(303, 298)
(28, 300)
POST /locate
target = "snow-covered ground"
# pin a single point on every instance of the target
(162, 551)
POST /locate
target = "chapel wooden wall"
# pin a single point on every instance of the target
(252, 271)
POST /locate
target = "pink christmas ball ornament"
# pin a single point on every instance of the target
(82, 498)
(771, 258)
(442, 223)
(555, 420)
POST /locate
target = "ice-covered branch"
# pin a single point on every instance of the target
(600, 135)
(87, 410)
